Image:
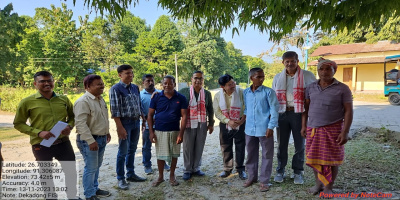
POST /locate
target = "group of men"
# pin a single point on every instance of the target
(169, 118)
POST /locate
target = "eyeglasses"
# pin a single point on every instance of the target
(232, 83)
(45, 81)
(198, 78)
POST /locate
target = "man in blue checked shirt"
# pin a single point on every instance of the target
(126, 111)
(261, 111)
(145, 98)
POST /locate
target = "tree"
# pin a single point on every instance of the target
(203, 51)
(386, 29)
(30, 50)
(127, 31)
(155, 50)
(278, 17)
(236, 65)
(11, 32)
(100, 47)
(62, 52)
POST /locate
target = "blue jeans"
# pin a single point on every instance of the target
(146, 149)
(93, 161)
(127, 149)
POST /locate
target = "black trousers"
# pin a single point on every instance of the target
(290, 123)
(227, 138)
(64, 153)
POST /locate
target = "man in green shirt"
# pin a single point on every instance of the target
(44, 109)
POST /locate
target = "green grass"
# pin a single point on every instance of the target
(9, 133)
(369, 166)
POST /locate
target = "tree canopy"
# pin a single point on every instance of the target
(278, 17)
(52, 41)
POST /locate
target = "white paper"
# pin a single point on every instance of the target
(56, 130)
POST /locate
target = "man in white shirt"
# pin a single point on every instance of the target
(289, 86)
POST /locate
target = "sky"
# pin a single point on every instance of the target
(251, 41)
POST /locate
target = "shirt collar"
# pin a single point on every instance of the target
(335, 82)
(175, 93)
(258, 89)
(38, 95)
(145, 91)
(124, 84)
(227, 93)
(91, 95)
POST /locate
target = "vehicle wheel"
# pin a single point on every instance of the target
(394, 99)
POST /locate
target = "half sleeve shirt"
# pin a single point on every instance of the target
(326, 105)
(168, 111)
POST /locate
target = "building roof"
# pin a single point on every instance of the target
(352, 61)
(356, 48)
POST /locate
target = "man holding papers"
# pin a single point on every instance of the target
(44, 109)
(92, 126)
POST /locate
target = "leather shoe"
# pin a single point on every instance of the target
(136, 178)
(186, 176)
(242, 175)
(225, 174)
(199, 173)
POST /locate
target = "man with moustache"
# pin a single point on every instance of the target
(200, 108)
(145, 98)
(44, 109)
(169, 107)
(261, 112)
(289, 86)
(92, 127)
(125, 107)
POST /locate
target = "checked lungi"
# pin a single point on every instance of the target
(322, 150)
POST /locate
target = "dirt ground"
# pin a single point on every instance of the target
(208, 187)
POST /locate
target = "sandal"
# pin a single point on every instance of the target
(157, 183)
(173, 182)
(264, 187)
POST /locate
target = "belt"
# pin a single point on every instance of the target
(130, 118)
(289, 108)
(61, 140)
(97, 136)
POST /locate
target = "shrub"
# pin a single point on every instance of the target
(243, 85)
(10, 97)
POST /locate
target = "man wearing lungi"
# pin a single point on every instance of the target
(169, 106)
(325, 124)
(261, 112)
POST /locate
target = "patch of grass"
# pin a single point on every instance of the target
(370, 166)
(9, 133)
(153, 193)
(370, 97)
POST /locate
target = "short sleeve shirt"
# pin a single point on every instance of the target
(168, 111)
(326, 105)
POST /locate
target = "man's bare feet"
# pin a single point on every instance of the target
(315, 190)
